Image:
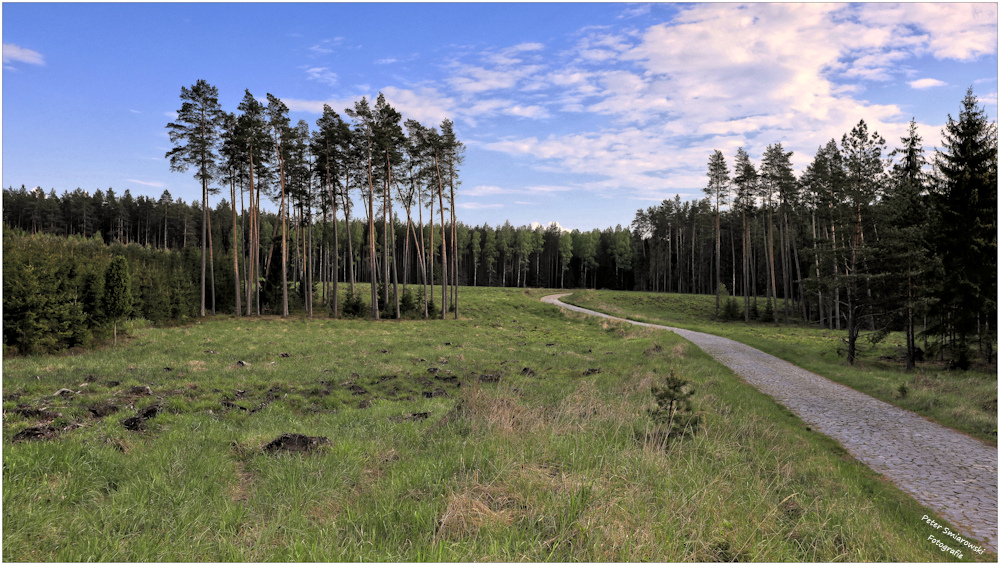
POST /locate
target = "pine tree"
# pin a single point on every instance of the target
(865, 171)
(195, 134)
(718, 188)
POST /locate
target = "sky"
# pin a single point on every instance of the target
(576, 113)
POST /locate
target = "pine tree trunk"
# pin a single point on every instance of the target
(204, 239)
(236, 262)
(211, 261)
(423, 250)
(444, 244)
(336, 249)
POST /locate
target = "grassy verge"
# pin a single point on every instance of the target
(963, 400)
(516, 433)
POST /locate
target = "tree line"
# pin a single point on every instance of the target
(865, 240)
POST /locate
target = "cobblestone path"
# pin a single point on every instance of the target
(952, 473)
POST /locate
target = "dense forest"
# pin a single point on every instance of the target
(866, 240)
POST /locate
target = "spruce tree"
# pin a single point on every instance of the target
(118, 292)
(967, 230)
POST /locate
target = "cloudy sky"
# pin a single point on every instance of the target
(579, 113)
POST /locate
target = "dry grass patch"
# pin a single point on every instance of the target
(240, 490)
(584, 405)
(474, 508)
(499, 410)
(679, 351)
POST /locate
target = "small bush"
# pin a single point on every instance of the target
(353, 306)
(674, 416)
(731, 309)
(409, 306)
(767, 315)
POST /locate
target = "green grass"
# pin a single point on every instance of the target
(963, 400)
(548, 464)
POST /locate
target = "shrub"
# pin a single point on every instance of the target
(353, 306)
(768, 314)
(731, 309)
(674, 416)
(409, 306)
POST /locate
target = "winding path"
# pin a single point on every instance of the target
(952, 473)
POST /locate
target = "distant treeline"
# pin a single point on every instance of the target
(866, 240)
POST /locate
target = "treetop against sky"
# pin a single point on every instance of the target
(578, 113)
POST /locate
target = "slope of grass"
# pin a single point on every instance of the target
(963, 400)
(516, 433)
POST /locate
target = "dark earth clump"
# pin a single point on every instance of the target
(438, 391)
(35, 433)
(592, 371)
(295, 443)
(527, 372)
(138, 422)
(36, 413)
(102, 410)
(490, 378)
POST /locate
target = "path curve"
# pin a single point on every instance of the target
(952, 473)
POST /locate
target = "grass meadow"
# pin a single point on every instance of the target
(517, 433)
(962, 400)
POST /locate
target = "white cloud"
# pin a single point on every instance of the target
(926, 83)
(721, 76)
(945, 30)
(323, 75)
(17, 54)
(147, 183)
(476, 79)
(426, 105)
(527, 111)
(484, 190)
(476, 205)
(326, 46)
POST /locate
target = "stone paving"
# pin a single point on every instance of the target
(952, 473)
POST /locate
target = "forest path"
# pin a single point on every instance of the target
(952, 473)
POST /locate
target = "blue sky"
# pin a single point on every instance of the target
(577, 113)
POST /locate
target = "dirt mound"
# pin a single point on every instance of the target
(137, 423)
(295, 443)
(35, 433)
(102, 410)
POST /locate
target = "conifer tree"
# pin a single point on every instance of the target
(718, 188)
(195, 134)
(966, 198)
(118, 292)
